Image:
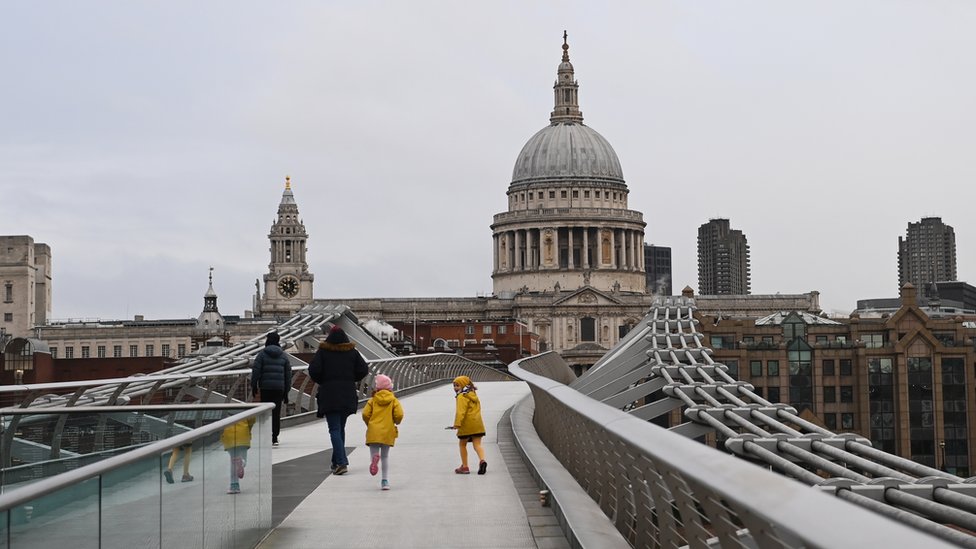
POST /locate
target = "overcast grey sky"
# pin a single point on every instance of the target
(145, 142)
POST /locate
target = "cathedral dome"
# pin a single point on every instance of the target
(566, 150)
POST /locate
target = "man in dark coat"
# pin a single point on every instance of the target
(337, 367)
(271, 375)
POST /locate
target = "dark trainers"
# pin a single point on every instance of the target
(341, 470)
(482, 467)
(373, 469)
(462, 470)
(187, 478)
(169, 476)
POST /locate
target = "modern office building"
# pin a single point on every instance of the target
(723, 260)
(927, 254)
(657, 268)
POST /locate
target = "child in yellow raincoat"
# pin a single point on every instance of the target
(236, 440)
(468, 424)
(382, 414)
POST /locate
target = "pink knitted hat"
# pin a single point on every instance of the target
(383, 382)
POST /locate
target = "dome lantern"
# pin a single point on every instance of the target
(566, 90)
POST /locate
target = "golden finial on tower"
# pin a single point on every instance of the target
(287, 182)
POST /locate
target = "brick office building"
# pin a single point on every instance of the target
(905, 380)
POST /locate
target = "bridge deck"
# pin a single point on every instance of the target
(428, 506)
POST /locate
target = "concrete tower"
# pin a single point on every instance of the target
(927, 254)
(723, 260)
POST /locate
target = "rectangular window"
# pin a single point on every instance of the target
(586, 194)
(721, 342)
(847, 421)
(840, 339)
(772, 368)
(767, 339)
(486, 329)
(150, 350)
(100, 350)
(469, 329)
(85, 351)
(575, 193)
(830, 420)
(552, 194)
(117, 351)
(502, 330)
(846, 393)
(845, 367)
(8, 292)
(133, 350)
(562, 194)
(821, 339)
(69, 352)
(830, 393)
(181, 350)
(733, 366)
(828, 367)
(755, 368)
(873, 341)
(166, 350)
(8, 317)
(772, 394)
(596, 194)
(54, 352)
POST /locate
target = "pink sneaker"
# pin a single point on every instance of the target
(373, 469)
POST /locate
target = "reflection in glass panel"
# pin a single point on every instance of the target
(130, 505)
(65, 518)
(181, 501)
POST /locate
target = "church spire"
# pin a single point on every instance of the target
(566, 108)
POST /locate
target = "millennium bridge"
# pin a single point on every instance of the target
(573, 462)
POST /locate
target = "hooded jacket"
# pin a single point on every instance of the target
(337, 368)
(467, 418)
(382, 414)
(238, 434)
(271, 370)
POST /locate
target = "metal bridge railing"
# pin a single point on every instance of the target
(661, 489)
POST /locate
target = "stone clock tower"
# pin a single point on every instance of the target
(288, 284)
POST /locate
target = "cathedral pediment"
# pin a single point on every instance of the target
(587, 295)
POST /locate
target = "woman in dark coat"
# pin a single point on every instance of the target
(337, 367)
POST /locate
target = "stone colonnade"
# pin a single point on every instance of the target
(568, 248)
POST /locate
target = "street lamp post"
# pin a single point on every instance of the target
(942, 452)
